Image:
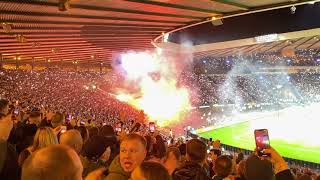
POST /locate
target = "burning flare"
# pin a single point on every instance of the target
(153, 88)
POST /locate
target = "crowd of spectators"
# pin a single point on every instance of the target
(62, 125)
(257, 78)
(77, 152)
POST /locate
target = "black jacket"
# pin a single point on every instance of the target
(9, 168)
(284, 175)
(190, 171)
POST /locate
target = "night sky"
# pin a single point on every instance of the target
(277, 21)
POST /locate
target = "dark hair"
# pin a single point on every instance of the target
(93, 131)
(96, 146)
(84, 132)
(135, 128)
(107, 130)
(159, 148)
(149, 145)
(216, 152)
(3, 104)
(35, 114)
(223, 166)
(175, 151)
(304, 177)
(154, 171)
(57, 119)
(133, 136)
(183, 149)
(196, 150)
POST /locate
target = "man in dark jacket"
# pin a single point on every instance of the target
(9, 168)
(193, 168)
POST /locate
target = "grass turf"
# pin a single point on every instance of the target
(240, 135)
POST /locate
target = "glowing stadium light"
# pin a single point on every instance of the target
(267, 38)
(86, 87)
(188, 128)
(165, 37)
(293, 9)
(94, 86)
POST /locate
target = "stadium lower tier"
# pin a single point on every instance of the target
(294, 132)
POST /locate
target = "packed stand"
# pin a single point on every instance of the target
(63, 150)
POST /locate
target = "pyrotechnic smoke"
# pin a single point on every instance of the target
(236, 89)
(151, 84)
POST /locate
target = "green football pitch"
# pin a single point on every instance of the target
(241, 135)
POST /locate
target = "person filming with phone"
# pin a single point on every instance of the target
(266, 163)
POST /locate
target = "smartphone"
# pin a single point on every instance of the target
(16, 111)
(152, 127)
(63, 129)
(82, 123)
(262, 141)
(119, 127)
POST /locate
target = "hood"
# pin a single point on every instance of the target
(116, 169)
(190, 171)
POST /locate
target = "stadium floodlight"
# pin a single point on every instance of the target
(165, 37)
(293, 9)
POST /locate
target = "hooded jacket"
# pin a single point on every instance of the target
(116, 172)
(190, 171)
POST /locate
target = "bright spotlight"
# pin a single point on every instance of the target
(165, 37)
(86, 87)
(94, 86)
(293, 9)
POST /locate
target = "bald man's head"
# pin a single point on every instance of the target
(73, 139)
(51, 163)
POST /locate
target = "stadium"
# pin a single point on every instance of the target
(160, 89)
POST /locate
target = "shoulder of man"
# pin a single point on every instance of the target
(116, 171)
(3, 153)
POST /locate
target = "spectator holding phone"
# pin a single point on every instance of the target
(264, 168)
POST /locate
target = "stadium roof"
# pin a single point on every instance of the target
(91, 31)
(299, 40)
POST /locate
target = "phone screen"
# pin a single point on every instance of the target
(119, 127)
(16, 111)
(152, 127)
(262, 140)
